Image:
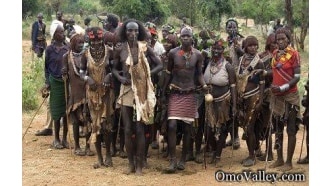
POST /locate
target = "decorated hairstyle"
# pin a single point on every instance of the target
(250, 40)
(270, 40)
(151, 27)
(169, 28)
(95, 33)
(285, 31)
(74, 40)
(220, 42)
(187, 28)
(142, 31)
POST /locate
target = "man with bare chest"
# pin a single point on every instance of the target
(184, 66)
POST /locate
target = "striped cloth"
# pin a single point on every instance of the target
(182, 107)
(56, 98)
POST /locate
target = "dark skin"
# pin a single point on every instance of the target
(182, 75)
(59, 43)
(265, 114)
(110, 40)
(76, 47)
(134, 145)
(283, 42)
(97, 47)
(251, 139)
(232, 31)
(217, 91)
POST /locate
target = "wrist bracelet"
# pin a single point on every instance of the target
(85, 78)
(284, 87)
(233, 85)
(261, 82)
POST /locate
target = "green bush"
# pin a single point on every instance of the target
(32, 81)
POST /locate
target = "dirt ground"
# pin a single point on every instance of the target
(43, 165)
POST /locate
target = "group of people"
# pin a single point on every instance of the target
(121, 79)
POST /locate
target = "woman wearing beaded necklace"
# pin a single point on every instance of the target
(220, 76)
(94, 70)
(77, 103)
(250, 88)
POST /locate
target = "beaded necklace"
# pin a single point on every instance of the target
(186, 56)
(216, 65)
(71, 54)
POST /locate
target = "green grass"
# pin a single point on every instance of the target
(32, 81)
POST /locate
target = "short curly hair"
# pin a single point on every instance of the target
(250, 40)
(283, 30)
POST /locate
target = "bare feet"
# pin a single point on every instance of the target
(97, 165)
(57, 145)
(108, 162)
(130, 169)
(138, 171)
(285, 167)
(303, 161)
(277, 163)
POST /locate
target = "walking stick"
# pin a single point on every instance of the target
(302, 143)
(66, 106)
(43, 101)
(269, 137)
(206, 137)
(232, 145)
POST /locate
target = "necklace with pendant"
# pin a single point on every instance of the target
(216, 66)
(186, 56)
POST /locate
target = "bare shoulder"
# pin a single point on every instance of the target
(174, 50)
(196, 51)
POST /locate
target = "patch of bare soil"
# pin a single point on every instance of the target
(43, 165)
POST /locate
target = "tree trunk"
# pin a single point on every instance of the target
(304, 24)
(289, 13)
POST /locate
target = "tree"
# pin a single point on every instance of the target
(29, 7)
(143, 10)
(289, 18)
(301, 19)
(214, 10)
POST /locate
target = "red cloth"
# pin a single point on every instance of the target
(287, 65)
